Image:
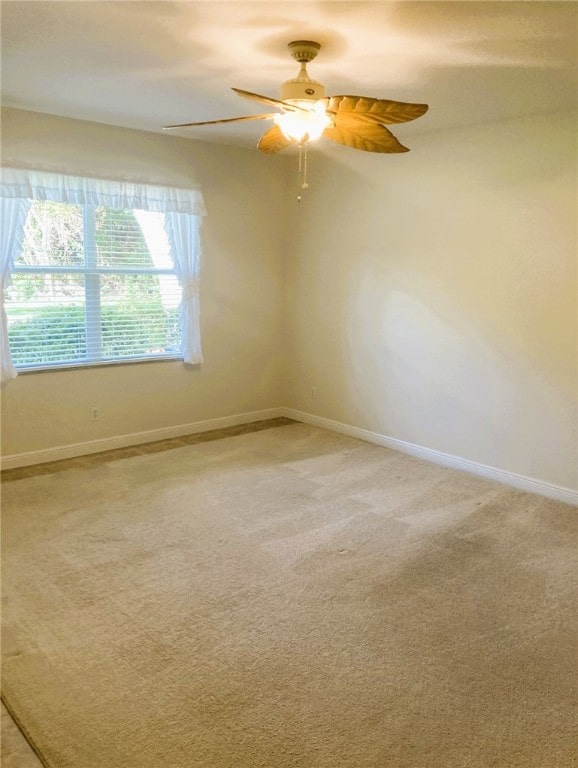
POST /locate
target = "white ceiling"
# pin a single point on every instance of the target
(146, 64)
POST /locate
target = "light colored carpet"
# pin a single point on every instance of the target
(285, 598)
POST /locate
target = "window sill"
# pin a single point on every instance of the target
(100, 364)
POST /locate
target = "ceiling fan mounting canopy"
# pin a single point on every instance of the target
(307, 113)
(304, 50)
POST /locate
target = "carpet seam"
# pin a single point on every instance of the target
(93, 459)
(25, 734)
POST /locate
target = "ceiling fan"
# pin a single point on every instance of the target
(306, 113)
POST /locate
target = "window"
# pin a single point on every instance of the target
(92, 284)
(95, 271)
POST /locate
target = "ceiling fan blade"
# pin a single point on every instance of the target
(369, 137)
(225, 120)
(273, 141)
(381, 110)
(268, 100)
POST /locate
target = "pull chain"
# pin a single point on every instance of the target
(303, 167)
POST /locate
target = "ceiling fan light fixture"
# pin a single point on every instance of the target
(307, 125)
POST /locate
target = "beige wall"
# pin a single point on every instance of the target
(433, 295)
(240, 293)
(429, 297)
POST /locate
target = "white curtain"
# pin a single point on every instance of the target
(182, 208)
(184, 239)
(12, 219)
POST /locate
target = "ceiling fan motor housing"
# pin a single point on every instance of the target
(302, 90)
(302, 87)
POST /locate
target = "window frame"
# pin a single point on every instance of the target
(92, 316)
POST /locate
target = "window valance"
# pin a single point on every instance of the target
(26, 184)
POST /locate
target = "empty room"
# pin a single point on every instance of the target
(289, 384)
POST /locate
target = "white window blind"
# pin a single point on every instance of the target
(92, 284)
(97, 271)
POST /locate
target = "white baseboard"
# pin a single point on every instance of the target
(551, 491)
(567, 495)
(134, 438)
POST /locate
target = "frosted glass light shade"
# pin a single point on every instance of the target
(304, 126)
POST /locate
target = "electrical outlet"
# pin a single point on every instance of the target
(94, 414)
(313, 393)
